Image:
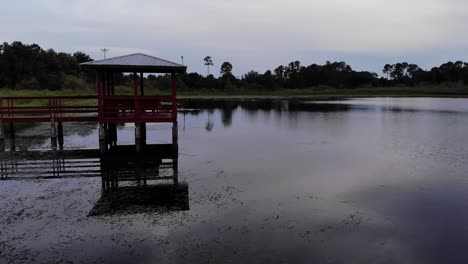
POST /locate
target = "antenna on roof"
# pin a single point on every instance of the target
(105, 51)
(182, 57)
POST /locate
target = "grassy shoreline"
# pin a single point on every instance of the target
(302, 94)
(461, 92)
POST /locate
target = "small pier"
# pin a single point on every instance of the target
(108, 109)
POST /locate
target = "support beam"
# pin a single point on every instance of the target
(2, 136)
(135, 94)
(113, 135)
(108, 83)
(112, 83)
(102, 139)
(175, 152)
(12, 137)
(53, 134)
(60, 135)
(175, 162)
(99, 92)
(135, 84)
(142, 90)
(139, 140)
(175, 133)
(143, 133)
(175, 168)
(174, 97)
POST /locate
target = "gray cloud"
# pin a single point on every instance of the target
(257, 34)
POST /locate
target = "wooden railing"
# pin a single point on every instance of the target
(124, 109)
(45, 108)
(107, 109)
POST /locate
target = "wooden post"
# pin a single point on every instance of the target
(139, 145)
(174, 97)
(112, 83)
(138, 138)
(175, 130)
(60, 135)
(102, 139)
(143, 125)
(12, 137)
(53, 134)
(143, 133)
(135, 96)
(99, 92)
(175, 162)
(113, 135)
(142, 90)
(2, 136)
(175, 133)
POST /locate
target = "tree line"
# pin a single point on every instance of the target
(28, 66)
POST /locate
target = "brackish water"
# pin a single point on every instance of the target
(380, 180)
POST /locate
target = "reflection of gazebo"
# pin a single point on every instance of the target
(136, 108)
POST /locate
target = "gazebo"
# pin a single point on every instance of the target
(137, 108)
(111, 109)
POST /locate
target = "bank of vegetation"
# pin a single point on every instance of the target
(28, 69)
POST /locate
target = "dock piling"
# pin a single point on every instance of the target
(140, 132)
(2, 136)
(175, 133)
(102, 139)
(60, 135)
(12, 137)
(53, 134)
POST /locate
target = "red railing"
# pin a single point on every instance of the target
(124, 109)
(47, 108)
(107, 109)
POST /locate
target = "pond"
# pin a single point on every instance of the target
(375, 180)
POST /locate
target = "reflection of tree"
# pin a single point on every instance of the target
(226, 113)
(209, 123)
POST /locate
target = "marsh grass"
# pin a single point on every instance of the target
(312, 93)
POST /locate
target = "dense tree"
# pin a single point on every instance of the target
(30, 66)
(226, 68)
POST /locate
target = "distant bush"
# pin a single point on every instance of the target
(71, 82)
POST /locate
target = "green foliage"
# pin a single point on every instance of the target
(226, 68)
(71, 82)
(24, 66)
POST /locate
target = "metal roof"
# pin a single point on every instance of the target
(137, 62)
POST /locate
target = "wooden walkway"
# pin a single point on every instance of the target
(110, 110)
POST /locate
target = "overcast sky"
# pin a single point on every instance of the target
(251, 34)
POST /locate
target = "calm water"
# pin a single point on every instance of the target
(356, 181)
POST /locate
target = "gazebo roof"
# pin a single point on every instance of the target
(137, 62)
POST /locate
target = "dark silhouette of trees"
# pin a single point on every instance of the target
(29, 66)
(208, 62)
(411, 74)
(226, 68)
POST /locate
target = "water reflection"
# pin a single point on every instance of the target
(291, 108)
(131, 182)
(49, 164)
(340, 182)
(143, 199)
